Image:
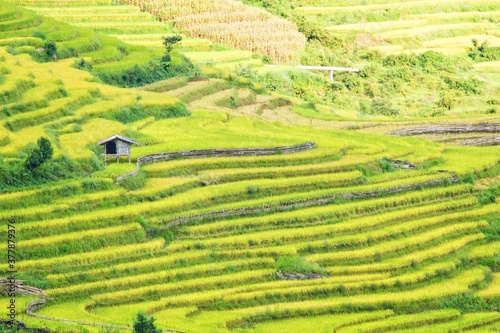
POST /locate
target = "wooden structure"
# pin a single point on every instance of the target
(328, 68)
(116, 145)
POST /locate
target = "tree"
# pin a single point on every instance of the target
(169, 43)
(145, 324)
(46, 149)
(40, 154)
(50, 49)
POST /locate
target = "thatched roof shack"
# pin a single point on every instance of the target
(117, 145)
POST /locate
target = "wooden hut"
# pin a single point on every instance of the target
(116, 145)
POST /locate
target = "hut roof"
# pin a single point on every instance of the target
(119, 137)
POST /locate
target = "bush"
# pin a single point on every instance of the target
(483, 52)
(468, 178)
(470, 86)
(15, 174)
(129, 114)
(465, 303)
(83, 65)
(39, 34)
(297, 264)
(385, 165)
(382, 106)
(134, 182)
(38, 155)
(50, 49)
(145, 324)
(489, 195)
(447, 100)
(149, 72)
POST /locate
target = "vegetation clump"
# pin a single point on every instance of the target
(297, 264)
(145, 324)
(40, 154)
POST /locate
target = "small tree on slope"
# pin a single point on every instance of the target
(145, 324)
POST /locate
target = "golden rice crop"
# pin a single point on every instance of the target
(407, 260)
(103, 232)
(214, 282)
(456, 285)
(131, 281)
(93, 257)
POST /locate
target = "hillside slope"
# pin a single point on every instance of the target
(360, 232)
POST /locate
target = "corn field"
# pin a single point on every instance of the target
(230, 23)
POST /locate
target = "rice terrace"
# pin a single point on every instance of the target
(198, 166)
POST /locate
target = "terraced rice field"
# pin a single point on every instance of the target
(198, 245)
(412, 26)
(218, 273)
(132, 26)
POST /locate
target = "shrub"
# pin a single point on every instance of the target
(39, 34)
(149, 72)
(297, 264)
(145, 324)
(470, 86)
(129, 114)
(134, 182)
(382, 106)
(38, 155)
(385, 165)
(50, 49)
(251, 189)
(447, 100)
(83, 65)
(488, 195)
(468, 178)
(483, 52)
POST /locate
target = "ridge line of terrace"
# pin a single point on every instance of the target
(200, 153)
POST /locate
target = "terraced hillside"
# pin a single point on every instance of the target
(133, 26)
(416, 58)
(198, 245)
(362, 232)
(416, 26)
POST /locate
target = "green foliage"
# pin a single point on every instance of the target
(312, 87)
(488, 195)
(492, 234)
(169, 42)
(38, 155)
(14, 174)
(297, 264)
(129, 114)
(465, 303)
(134, 182)
(483, 52)
(470, 86)
(447, 100)
(251, 189)
(146, 73)
(39, 34)
(277, 102)
(145, 324)
(385, 165)
(49, 52)
(50, 49)
(83, 65)
(380, 106)
(468, 178)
